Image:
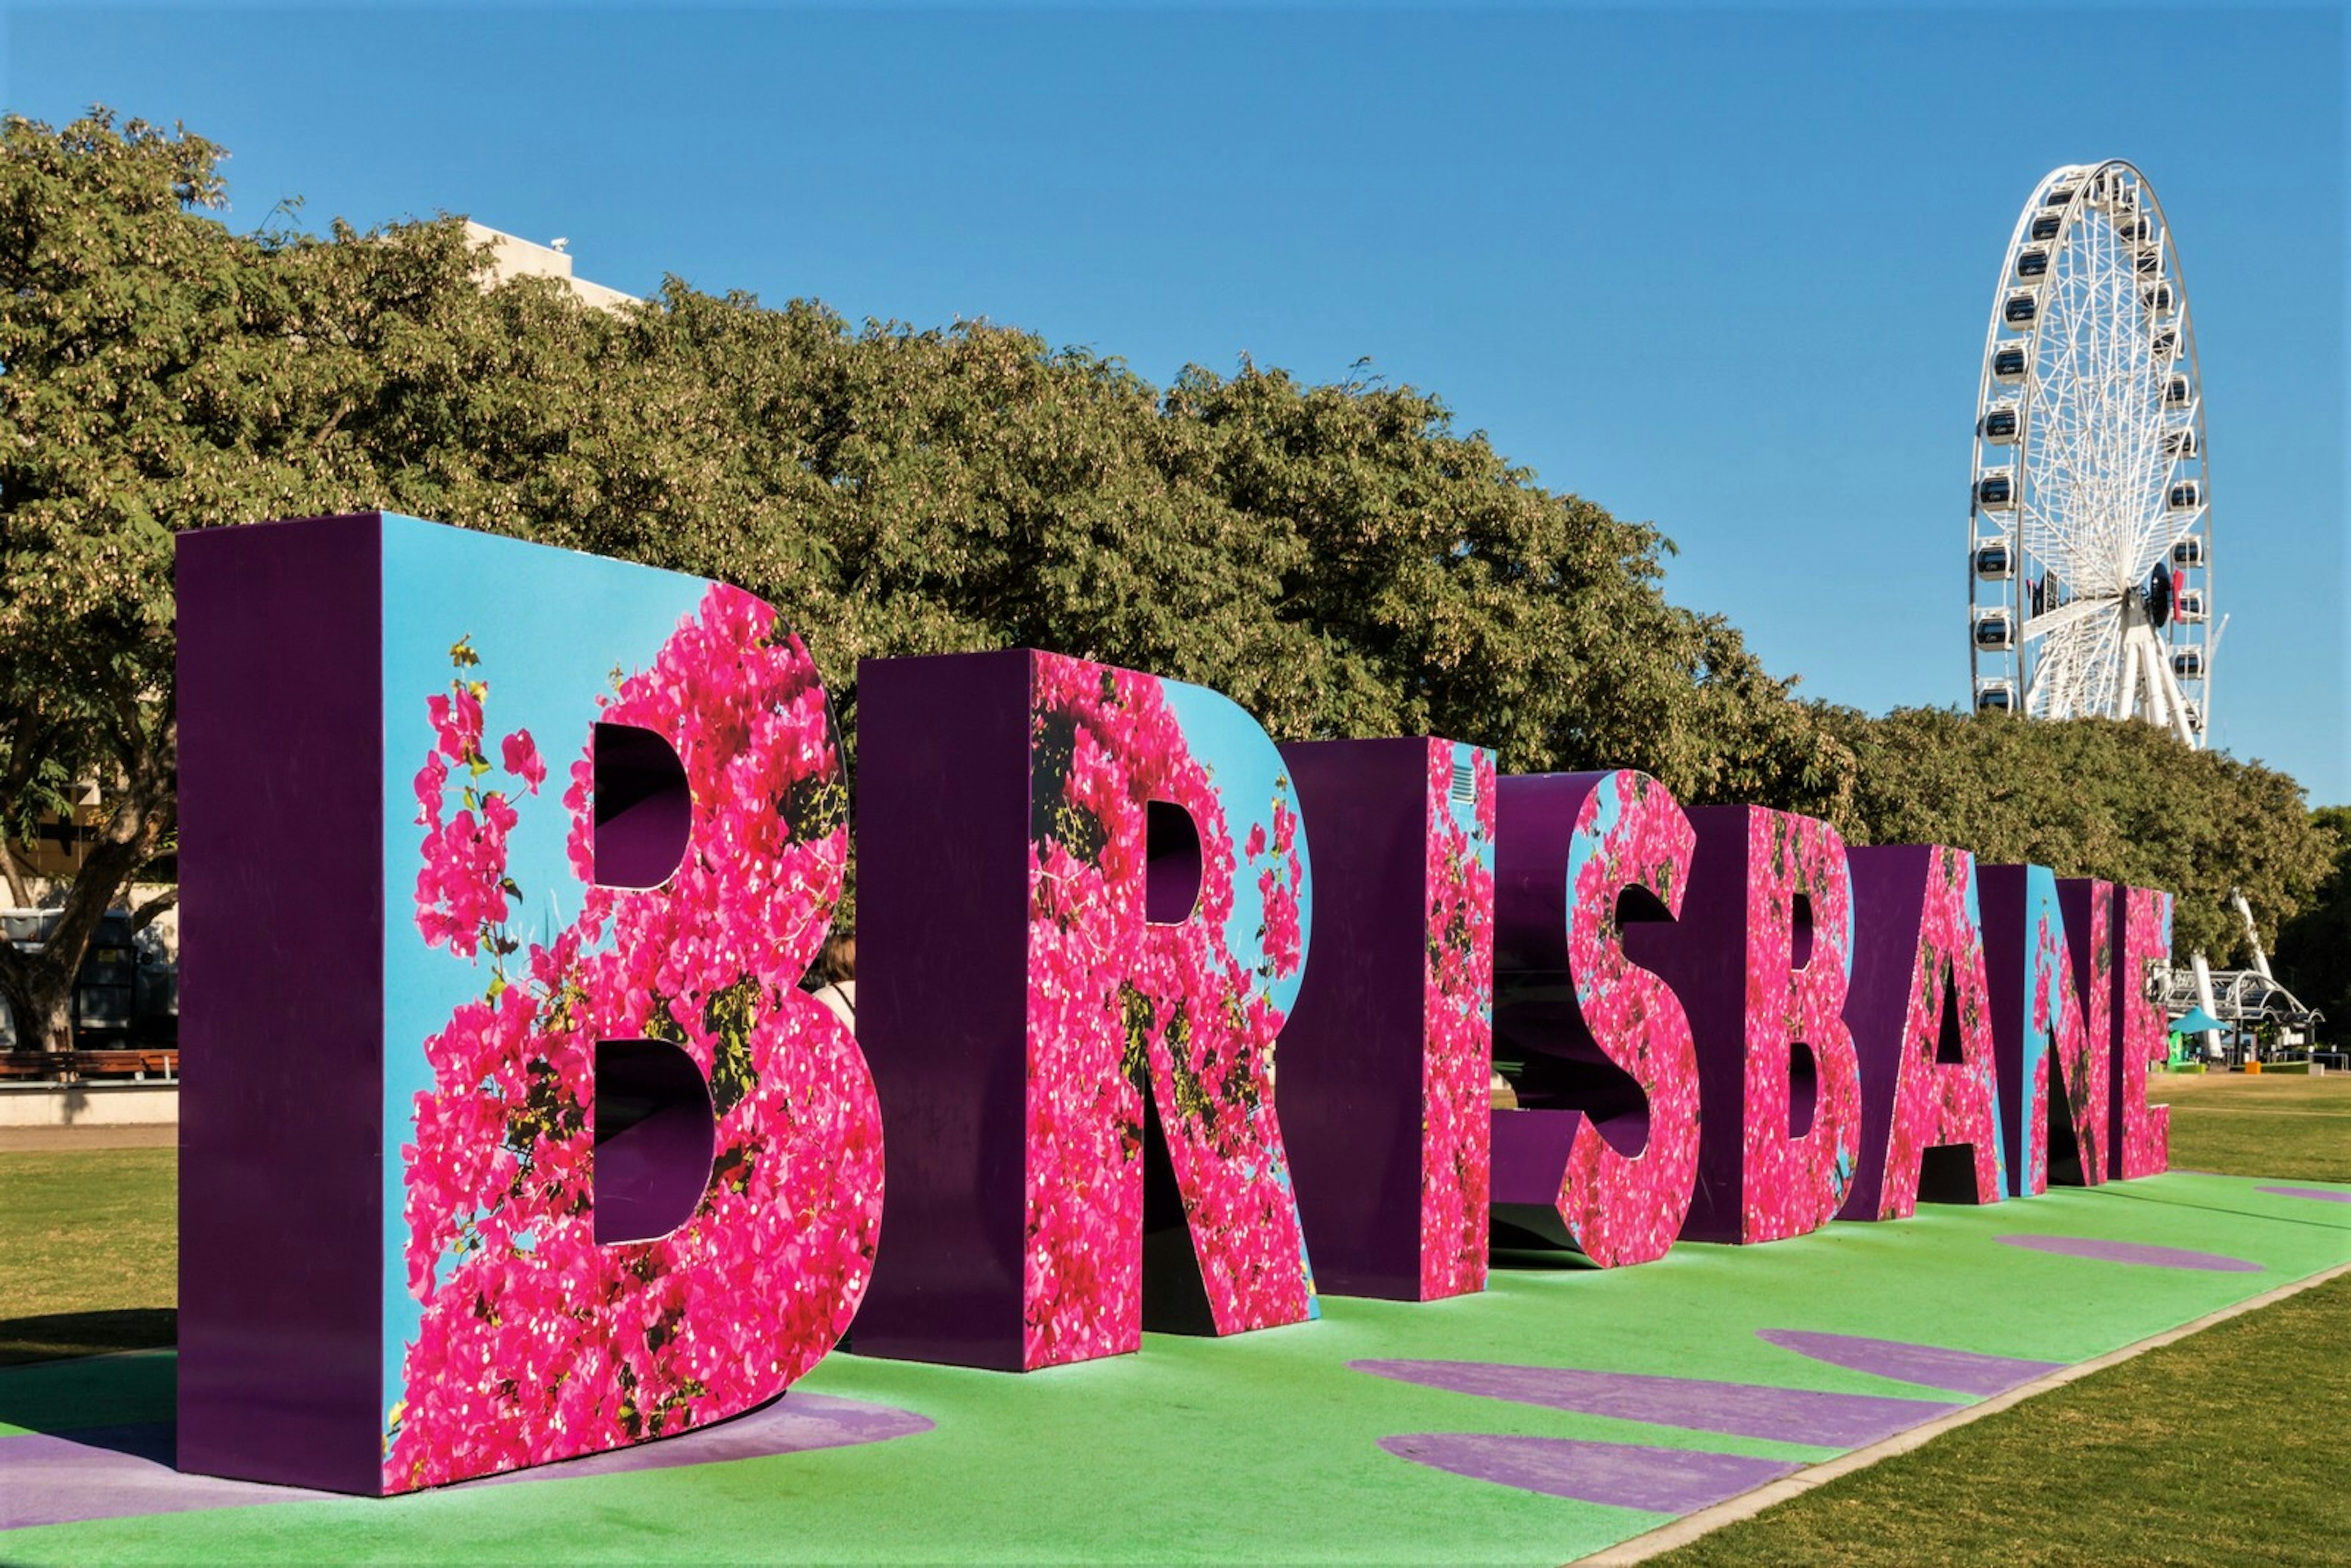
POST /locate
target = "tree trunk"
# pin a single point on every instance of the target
(39, 993)
(52, 1014)
(141, 818)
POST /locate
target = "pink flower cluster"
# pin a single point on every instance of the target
(1790, 1185)
(1283, 938)
(1936, 1103)
(2035, 1180)
(1119, 1008)
(2084, 1053)
(1630, 832)
(462, 890)
(535, 1342)
(1458, 1051)
(2144, 1037)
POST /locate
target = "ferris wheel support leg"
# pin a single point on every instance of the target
(2126, 693)
(2159, 674)
(2149, 654)
(2041, 668)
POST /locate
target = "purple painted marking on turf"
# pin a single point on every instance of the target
(2320, 1193)
(1966, 1371)
(47, 1480)
(795, 1424)
(2134, 1252)
(1740, 1409)
(119, 1472)
(1621, 1475)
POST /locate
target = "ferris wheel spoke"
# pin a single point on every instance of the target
(2065, 615)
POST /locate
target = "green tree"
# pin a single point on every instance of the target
(2109, 798)
(89, 246)
(158, 373)
(1339, 559)
(2313, 949)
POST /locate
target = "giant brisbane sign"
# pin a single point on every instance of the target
(510, 1134)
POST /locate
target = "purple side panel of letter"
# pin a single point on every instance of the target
(1534, 997)
(281, 896)
(943, 844)
(1889, 893)
(1351, 1051)
(1703, 956)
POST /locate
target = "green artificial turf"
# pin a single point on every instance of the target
(1263, 1446)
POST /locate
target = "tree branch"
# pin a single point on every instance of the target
(146, 914)
(18, 894)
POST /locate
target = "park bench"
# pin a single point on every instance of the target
(124, 1063)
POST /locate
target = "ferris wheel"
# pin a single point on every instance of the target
(2090, 521)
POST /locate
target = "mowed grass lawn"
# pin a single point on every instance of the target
(2232, 1446)
(2272, 1124)
(89, 1251)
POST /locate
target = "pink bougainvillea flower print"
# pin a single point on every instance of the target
(1458, 1021)
(522, 759)
(2141, 1132)
(460, 890)
(1120, 1007)
(1618, 1207)
(2036, 1130)
(1938, 1103)
(1790, 1184)
(535, 1342)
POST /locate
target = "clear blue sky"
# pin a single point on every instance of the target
(1728, 272)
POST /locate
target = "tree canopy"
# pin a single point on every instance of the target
(2313, 949)
(1339, 559)
(2112, 797)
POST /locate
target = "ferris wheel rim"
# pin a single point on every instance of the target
(2119, 662)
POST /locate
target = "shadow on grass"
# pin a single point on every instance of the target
(126, 1403)
(60, 1335)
